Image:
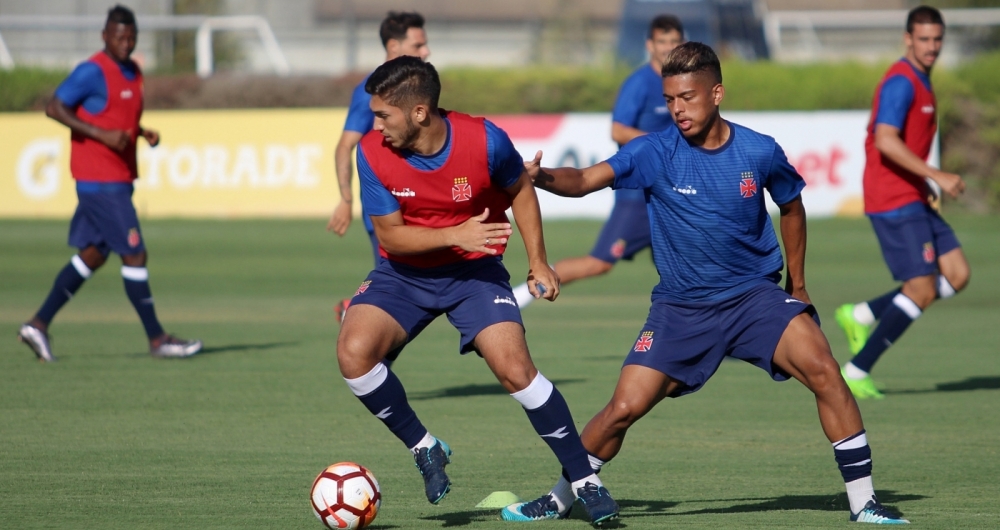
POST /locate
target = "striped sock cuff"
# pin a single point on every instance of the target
(81, 268)
(907, 305)
(135, 274)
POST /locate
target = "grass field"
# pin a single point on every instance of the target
(109, 438)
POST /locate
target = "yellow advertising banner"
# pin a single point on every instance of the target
(210, 163)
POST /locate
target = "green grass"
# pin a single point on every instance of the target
(110, 438)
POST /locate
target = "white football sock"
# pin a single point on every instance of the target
(523, 296)
(577, 484)
(854, 372)
(863, 314)
(426, 442)
(562, 493)
(859, 492)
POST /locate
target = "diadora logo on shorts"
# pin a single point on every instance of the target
(618, 248)
(127, 94)
(505, 300)
(928, 252)
(363, 287)
(133, 237)
(645, 342)
(793, 301)
(407, 192)
(462, 191)
(927, 109)
(748, 186)
(686, 190)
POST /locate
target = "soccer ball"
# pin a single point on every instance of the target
(345, 496)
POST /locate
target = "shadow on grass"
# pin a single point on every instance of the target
(971, 383)
(464, 518)
(825, 503)
(232, 348)
(491, 389)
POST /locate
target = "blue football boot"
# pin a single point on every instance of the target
(540, 509)
(875, 513)
(431, 464)
(598, 504)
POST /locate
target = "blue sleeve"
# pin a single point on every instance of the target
(635, 164)
(628, 105)
(84, 86)
(376, 199)
(894, 101)
(359, 114)
(505, 163)
(783, 182)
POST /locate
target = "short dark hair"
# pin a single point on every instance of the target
(397, 23)
(666, 24)
(120, 15)
(923, 15)
(690, 58)
(405, 82)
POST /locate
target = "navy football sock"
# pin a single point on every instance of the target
(136, 281)
(383, 395)
(67, 283)
(550, 416)
(880, 304)
(894, 322)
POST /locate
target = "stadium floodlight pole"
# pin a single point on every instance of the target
(203, 42)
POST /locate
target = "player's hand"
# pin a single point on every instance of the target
(476, 236)
(539, 275)
(951, 183)
(340, 220)
(114, 138)
(151, 136)
(533, 167)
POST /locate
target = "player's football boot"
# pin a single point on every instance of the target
(174, 347)
(875, 513)
(38, 341)
(862, 388)
(857, 333)
(598, 504)
(540, 509)
(341, 309)
(431, 464)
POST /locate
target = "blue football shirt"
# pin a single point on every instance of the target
(505, 166)
(640, 104)
(712, 236)
(360, 119)
(85, 86)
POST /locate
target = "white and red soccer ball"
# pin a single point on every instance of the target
(346, 496)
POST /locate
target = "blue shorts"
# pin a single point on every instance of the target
(688, 341)
(625, 233)
(105, 218)
(474, 294)
(912, 238)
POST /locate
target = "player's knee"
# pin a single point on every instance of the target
(922, 290)
(353, 350)
(823, 374)
(134, 260)
(92, 258)
(959, 279)
(621, 414)
(599, 267)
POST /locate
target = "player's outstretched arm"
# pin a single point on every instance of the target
(473, 235)
(113, 138)
(528, 215)
(341, 218)
(793, 236)
(889, 142)
(568, 181)
(151, 135)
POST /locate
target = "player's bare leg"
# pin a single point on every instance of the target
(367, 334)
(804, 353)
(572, 269)
(505, 351)
(639, 389)
(955, 268)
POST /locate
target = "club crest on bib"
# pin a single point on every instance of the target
(928, 252)
(748, 186)
(462, 191)
(363, 287)
(645, 342)
(133, 237)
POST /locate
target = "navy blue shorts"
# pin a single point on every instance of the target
(912, 238)
(105, 218)
(474, 294)
(688, 341)
(625, 233)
